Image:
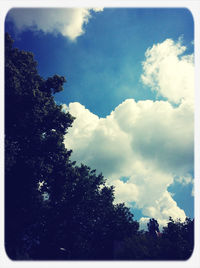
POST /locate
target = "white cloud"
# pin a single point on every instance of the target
(132, 146)
(150, 142)
(169, 72)
(67, 21)
(185, 180)
(162, 209)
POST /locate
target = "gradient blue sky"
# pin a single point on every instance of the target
(103, 65)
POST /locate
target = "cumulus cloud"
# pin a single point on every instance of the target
(67, 21)
(131, 146)
(149, 142)
(169, 72)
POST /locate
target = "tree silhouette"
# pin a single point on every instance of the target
(31, 117)
(178, 239)
(53, 208)
(153, 227)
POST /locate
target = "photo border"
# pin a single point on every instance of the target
(194, 7)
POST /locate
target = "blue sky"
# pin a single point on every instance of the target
(110, 79)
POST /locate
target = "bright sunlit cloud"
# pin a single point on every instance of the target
(169, 72)
(149, 142)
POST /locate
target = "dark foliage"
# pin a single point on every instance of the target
(32, 146)
(55, 210)
(175, 242)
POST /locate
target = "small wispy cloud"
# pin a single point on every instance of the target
(185, 180)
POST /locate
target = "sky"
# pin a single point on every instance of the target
(130, 86)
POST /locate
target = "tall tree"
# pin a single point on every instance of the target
(53, 208)
(153, 227)
(34, 129)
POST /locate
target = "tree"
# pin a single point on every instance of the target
(176, 242)
(178, 239)
(53, 208)
(31, 143)
(153, 227)
(86, 223)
